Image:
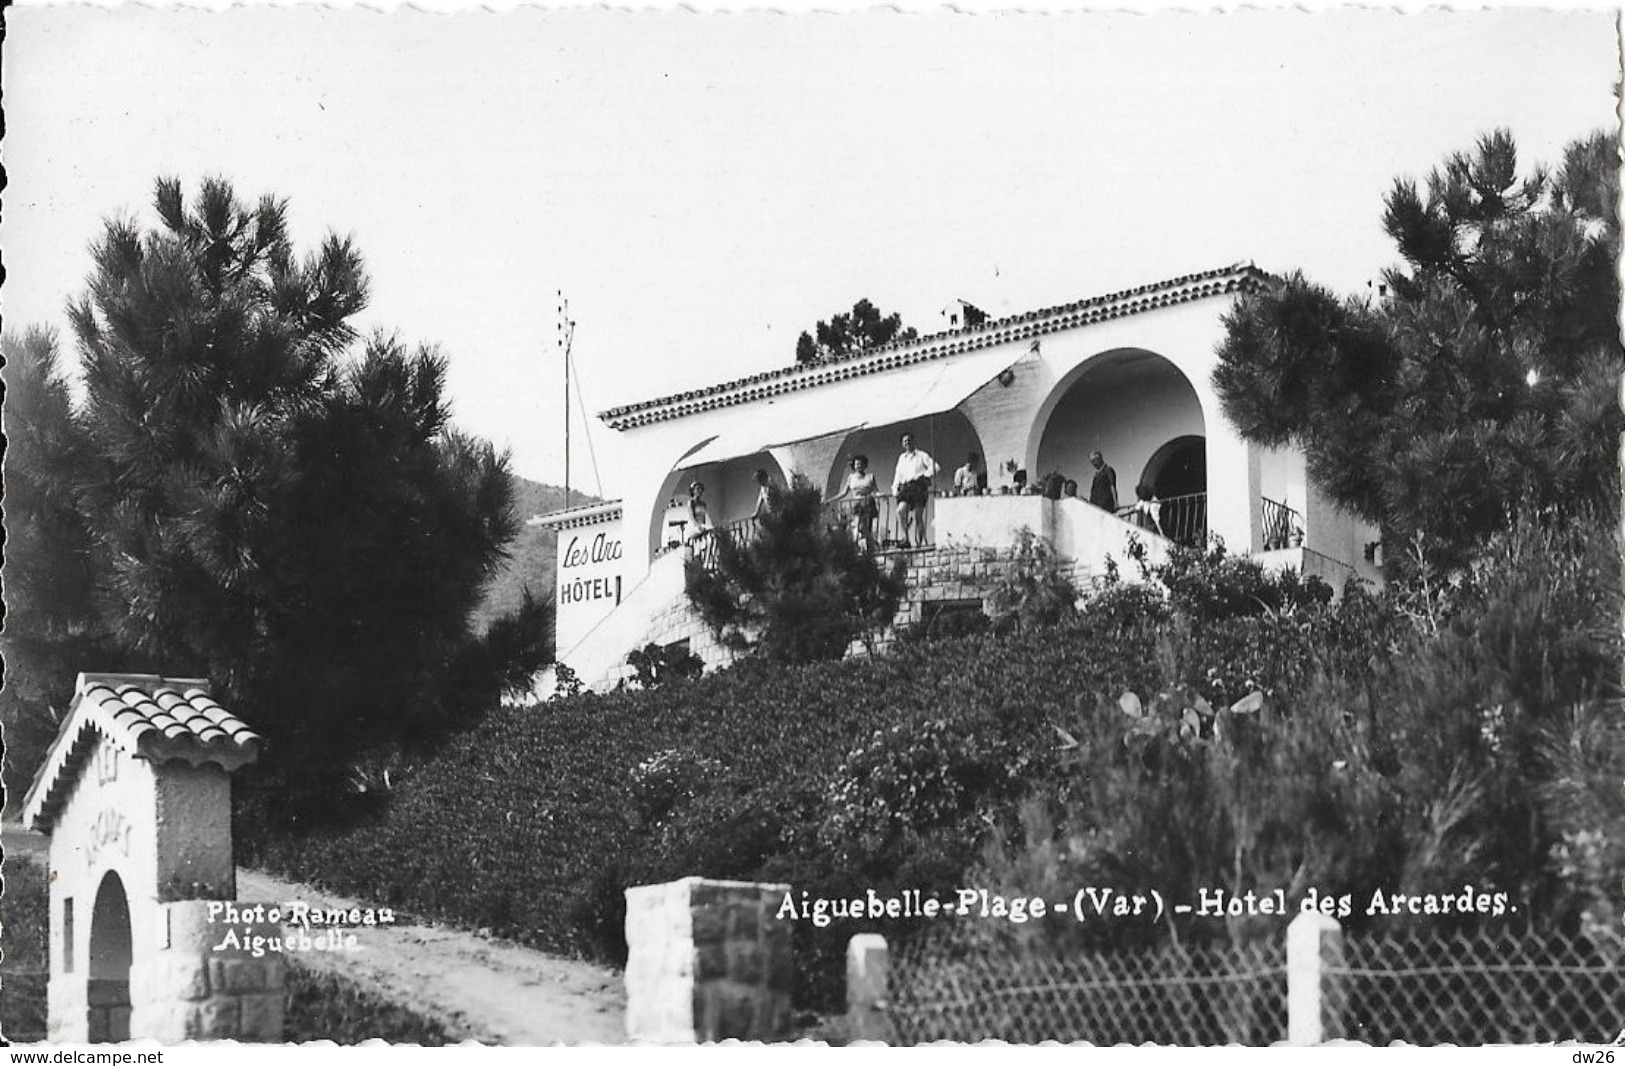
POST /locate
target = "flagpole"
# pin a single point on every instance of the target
(564, 352)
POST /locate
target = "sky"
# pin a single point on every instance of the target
(703, 187)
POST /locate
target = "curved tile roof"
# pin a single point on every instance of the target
(576, 517)
(1238, 277)
(153, 718)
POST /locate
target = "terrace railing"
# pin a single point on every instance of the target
(842, 514)
(1281, 523)
(1184, 519)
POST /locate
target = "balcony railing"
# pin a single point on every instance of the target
(1182, 519)
(838, 514)
(842, 514)
(1281, 524)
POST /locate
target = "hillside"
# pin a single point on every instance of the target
(532, 555)
(1272, 739)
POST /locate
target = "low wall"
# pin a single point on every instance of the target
(989, 521)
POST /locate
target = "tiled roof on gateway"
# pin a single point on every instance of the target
(1238, 277)
(154, 718)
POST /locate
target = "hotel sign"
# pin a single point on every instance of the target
(589, 578)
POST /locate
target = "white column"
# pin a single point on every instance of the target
(1232, 489)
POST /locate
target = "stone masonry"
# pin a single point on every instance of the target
(950, 573)
(201, 985)
(707, 960)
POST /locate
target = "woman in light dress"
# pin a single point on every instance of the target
(862, 487)
(699, 515)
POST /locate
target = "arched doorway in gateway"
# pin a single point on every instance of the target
(108, 988)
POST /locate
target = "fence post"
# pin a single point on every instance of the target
(1314, 945)
(868, 999)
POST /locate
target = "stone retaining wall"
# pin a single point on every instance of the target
(935, 575)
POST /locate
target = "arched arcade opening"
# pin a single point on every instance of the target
(730, 496)
(1143, 415)
(1176, 473)
(947, 437)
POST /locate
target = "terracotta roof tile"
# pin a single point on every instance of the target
(153, 718)
(1223, 281)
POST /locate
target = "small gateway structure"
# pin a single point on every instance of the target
(135, 793)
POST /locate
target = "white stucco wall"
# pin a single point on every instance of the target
(1281, 477)
(592, 654)
(1088, 534)
(1333, 532)
(990, 521)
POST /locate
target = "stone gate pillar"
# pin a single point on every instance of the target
(707, 960)
(136, 796)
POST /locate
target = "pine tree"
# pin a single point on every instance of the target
(798, 589)
(846, 335)
(1480, 381)
(300, 525)
(52, 629)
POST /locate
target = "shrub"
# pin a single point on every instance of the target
(657, 666)
(24, 955)
(1034, 588)
(796, 590)
(1385, 755)
(667, 779)
(1212, 585)
(911, 778)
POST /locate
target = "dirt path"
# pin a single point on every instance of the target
(479, 988)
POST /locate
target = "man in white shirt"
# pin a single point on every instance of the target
(912, 486)
(968, 478)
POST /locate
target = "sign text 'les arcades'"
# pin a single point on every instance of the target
(600, 549)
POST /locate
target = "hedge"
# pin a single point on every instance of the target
(873, 772)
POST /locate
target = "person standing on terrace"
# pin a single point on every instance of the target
(968, 479)
(912, 486)
(862, 486)
(699, 514)
(767, 494)
(1103, 490)
(1147, 509)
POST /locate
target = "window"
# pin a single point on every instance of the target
(67, 934)
(953, 618)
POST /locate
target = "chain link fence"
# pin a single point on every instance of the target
(1491, 986)
(1476, 987)
(1171, 995)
